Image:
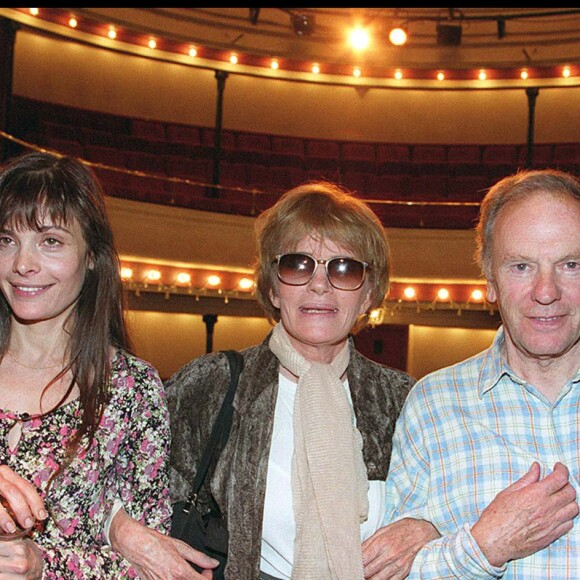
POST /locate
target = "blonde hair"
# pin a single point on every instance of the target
(324, 211)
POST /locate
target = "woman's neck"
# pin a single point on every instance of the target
(38, 348)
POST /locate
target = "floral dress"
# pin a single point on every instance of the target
(128, 460)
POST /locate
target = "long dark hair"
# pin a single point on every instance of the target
(37, 186)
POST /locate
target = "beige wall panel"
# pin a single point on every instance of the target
(181, 235)
(433, 348)
(93, 78)
(168, 341)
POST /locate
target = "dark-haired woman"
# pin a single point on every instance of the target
(83, 423)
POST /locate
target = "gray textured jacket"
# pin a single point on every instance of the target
(195, 394)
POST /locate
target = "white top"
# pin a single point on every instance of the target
(279, 526)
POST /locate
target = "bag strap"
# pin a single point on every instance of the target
(222, 425)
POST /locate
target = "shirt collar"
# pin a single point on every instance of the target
(495, 366)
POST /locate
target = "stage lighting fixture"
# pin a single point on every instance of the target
(303, 24)
(448, 34)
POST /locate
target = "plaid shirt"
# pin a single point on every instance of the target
(466, 433)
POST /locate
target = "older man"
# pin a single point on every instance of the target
(488, 450)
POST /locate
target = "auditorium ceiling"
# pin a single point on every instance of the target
(444, 45)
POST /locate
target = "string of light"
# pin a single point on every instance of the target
(169, 280)
(163, 46)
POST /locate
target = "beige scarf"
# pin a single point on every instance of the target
(329, 478)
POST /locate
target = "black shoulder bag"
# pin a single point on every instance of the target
(208, 533)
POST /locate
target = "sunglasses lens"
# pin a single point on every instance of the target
(295, 269)
(346, 273)
(343, 273)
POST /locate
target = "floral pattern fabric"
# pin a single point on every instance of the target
(128, 459)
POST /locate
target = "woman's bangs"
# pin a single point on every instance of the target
(27, 208)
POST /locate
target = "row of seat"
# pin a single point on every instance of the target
(175, 164)
(312, 154)
(174, 173)
(156, 137)
(244, 192)
(178, 171)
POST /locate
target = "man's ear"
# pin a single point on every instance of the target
(491, 292)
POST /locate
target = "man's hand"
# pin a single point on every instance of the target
(527, 516)
(389, 553)
(156, 556)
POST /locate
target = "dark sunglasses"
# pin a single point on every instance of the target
(343, 273)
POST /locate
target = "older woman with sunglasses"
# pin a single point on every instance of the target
(301, 477)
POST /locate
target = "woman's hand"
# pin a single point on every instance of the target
(20, 559)
(21, 498)
(389, 553)
(156, 556)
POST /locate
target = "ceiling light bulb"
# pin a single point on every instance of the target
(409, 292)
(246, 284)
(359, 38)
(214, 280)
(477, 295)
(275, 64)
(440, 76)
(72, 22)
(112, 33)
(356, 71)
(152, 43)
(443, 294)
(398, 36)
(566, 71)
(524, 74)
(315, 69)
(126, 273)
(482, 75)
(153, 275)
(192, 51)
(183, 278)
(234, 58)
(398, 75)
(33, 11)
